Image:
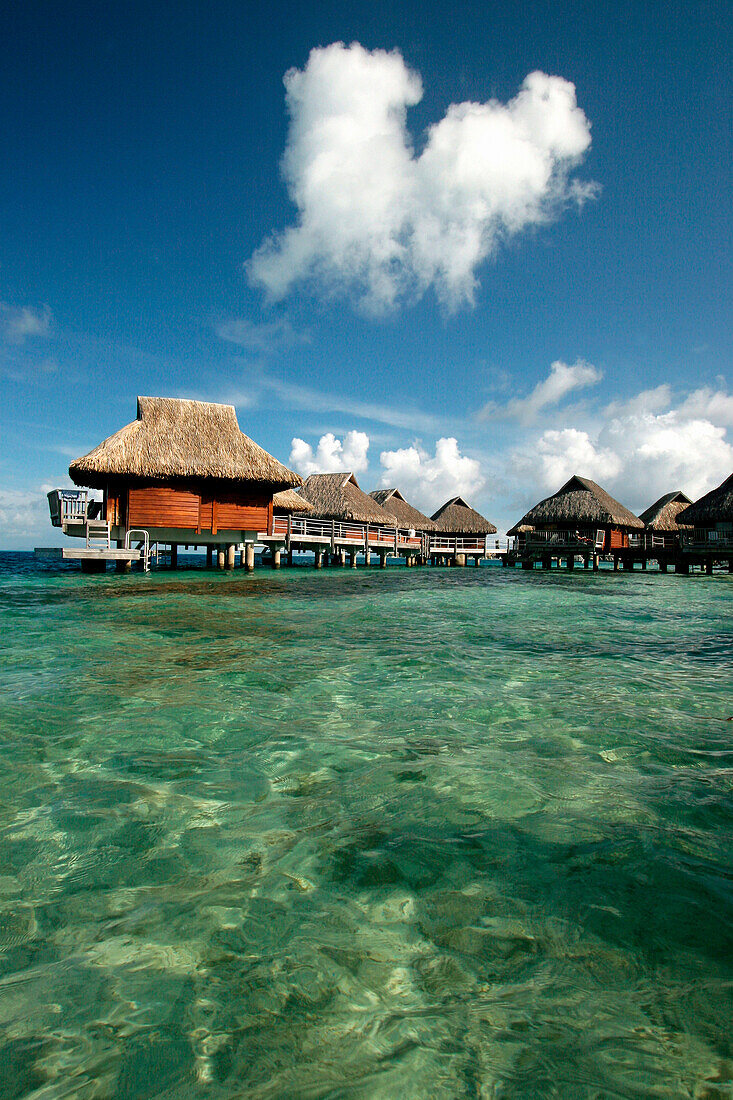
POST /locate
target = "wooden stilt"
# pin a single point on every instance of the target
(209, 556)
(174, 555)
(276, 558)
(221, 557)
(249, 557)
(231, 555)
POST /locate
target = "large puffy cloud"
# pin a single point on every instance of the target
(639, 452)
(429, 480)
(331, 454)
(561, 381)
(376, 218)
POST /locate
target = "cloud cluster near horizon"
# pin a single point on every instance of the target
(383, 222)
(427, 480)
(640, 448)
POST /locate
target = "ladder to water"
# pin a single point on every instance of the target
(97, 534)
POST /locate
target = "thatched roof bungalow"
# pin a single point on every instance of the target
(581, 507)
(404, 515)
(663, 515)
(338, 496)
(714, 510)
(290, 502)
(458, 519)
(184, 466)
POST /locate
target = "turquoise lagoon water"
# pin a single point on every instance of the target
(448, 833)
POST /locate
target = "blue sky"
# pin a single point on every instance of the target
(431, 309)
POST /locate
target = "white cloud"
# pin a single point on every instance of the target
(332, 455)
(22, 323)
(429, 480)
(263, 338)
(561, 381)
(637, 453)
(23, 513)
(383, 222)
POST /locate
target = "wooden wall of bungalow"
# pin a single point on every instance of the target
(205, 507)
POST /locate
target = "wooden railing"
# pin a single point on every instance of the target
(706, 539)
(447, 543)
(327, 531)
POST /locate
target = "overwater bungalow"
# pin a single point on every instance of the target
(581, 518)
(662, 528)
(710, 523)
(346, 521)
(182, 473)
(403, 513)
(460, 533)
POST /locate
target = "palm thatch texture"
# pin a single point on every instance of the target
(715, 507)
(290, 501)
(579, 502)
(403, 513)
(175, 439)
(662, 515)
(455, 517)
(338, 496)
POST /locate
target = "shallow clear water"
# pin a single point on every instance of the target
(426, 833)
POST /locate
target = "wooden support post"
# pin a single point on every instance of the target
(290, 557)
(586, 561)
(460, 559)
(546, 561)
(318, 562)
(682, 566)
(352, 559)
(628, 564)
(615, 563)
(382, 559)
(220, 557)
(662, 566)
(570, 562)
(242, 556)
(367, 555)
(342, 558)
(596, 563)
(231, 555)
(249, 557)
(209, 556)
(709, 566)
(643, 564)
(174, 555)
(276, 557)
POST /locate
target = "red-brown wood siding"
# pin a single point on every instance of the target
(188, 509)
(163, 506)
(618, 540)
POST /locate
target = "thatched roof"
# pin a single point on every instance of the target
(338, 496)
(172, 438)
(662, 515)
(715, 507)
(455, 517)
(290, 501)
(404, 514)
(579, 501)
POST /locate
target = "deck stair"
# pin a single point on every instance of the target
(97, 534)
